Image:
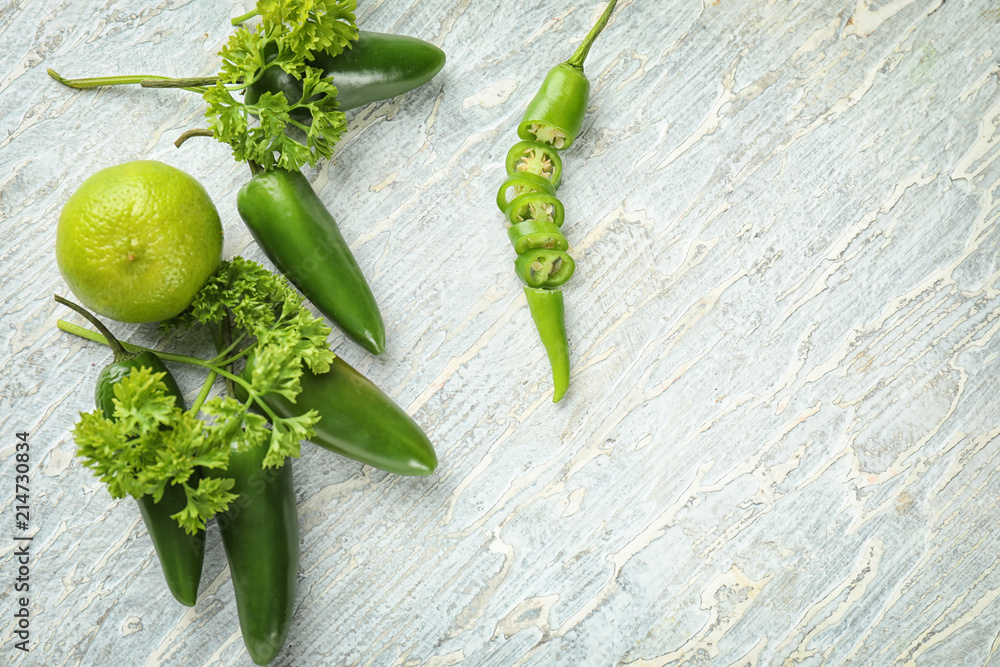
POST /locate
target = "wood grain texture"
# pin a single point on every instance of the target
(782, 438)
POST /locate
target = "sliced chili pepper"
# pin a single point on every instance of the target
(260, 533)
(544, 268)
(301, 238)
(181, 555)
(522, 182)
(548, 313)
(357, 420)
(539, 206)
(532, 234)
(551, 123)
(536, 158)
(376, 67)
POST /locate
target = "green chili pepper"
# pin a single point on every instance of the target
(357, 420)
(551, 123)
(180, 555)
(538, 206)
(536, 158)
(544, 268)
(522, 182)
(548, 313)
(532, 234)
(301, 238)
(555, 114)
(260, 533)
(376, 67)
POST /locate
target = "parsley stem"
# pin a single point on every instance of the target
(206, 386)
(220, 359)
(239, 355)
(245, 17)
(83, 332)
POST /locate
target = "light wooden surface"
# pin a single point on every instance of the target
(782, 436)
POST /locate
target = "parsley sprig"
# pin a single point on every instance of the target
(289, 33)
(150, 442)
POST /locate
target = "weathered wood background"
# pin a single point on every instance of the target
(782, 438)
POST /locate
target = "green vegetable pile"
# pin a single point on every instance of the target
(300, 67)
(228, 456)
(151, 442)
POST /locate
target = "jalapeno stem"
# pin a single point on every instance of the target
(133, 79)
(186, 82)
(77, 330)
(199, 132)
(121, 354)
(580, 55)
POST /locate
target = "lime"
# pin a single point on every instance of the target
(136, 241)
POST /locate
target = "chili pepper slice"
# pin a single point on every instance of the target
(544, 268)
(181, 555)
(535, 157)
(532, 234)
(301, 238)
(548, 313)
(539, 206)
(357, 420)
(522, 182)
(260, 533)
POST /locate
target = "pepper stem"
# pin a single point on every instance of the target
(121, 354)
(193, 133)
(144, 80)
(576, 60)
(77, 330)
(185, 82)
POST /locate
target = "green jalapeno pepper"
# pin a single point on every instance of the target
(536, 158)
(376, 67)
(551, 123)
(260, 533)
(357, 420)
(301, 238)
(555, 114)
(181, 555)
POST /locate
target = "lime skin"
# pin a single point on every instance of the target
(136, 241)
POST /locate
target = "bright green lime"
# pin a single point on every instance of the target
(136, 241)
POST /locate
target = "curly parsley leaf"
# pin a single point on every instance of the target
(150, 444)
(283, 338)
(312, 25)
(290, 33)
